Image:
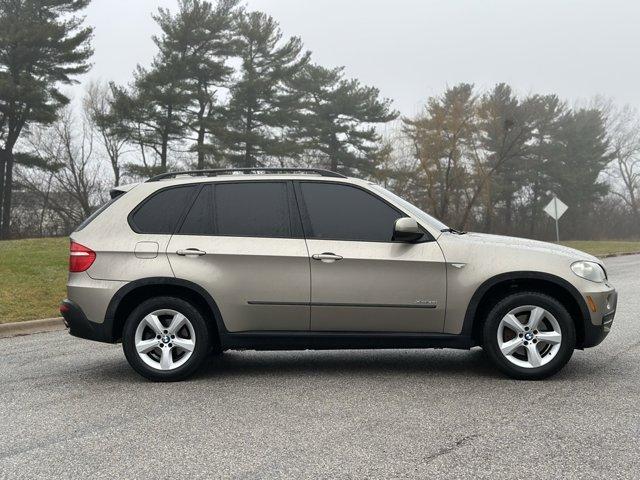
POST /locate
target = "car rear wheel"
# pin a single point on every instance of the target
(529, 335)
(165, 339)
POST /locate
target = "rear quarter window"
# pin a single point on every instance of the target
(95, 214)
(161, 212)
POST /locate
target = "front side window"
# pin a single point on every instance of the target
(160, 213)
(343, 212)
(252, 209)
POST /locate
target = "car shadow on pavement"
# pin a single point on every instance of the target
(351, 362)
(443, 364)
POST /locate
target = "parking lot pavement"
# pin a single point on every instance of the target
(73, 409)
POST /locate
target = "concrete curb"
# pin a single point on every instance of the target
(31, 326)
(612, 255)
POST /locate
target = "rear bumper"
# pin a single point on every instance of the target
(80, 326)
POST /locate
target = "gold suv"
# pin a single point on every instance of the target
(191, 263)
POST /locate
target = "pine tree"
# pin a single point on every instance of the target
(504, 131)
(202, 36)
(260, 108)
(336, 117)
(547, 113)
(580, 158)
(442, 137)
(150, 112)
(43, 45)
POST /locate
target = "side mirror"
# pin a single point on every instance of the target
(407, 230)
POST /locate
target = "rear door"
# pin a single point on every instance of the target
(243, 242)
(362, 280)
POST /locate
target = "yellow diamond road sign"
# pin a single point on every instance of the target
(556, 208)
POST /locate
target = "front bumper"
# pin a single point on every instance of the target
(80, 326)
(602, 309)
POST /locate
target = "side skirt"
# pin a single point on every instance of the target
(341, 340)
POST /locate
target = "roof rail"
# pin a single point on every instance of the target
(230, 171)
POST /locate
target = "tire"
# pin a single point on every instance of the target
(168, 351)
(543, 326)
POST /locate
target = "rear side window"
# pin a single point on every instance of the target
(252, 209)
(343, 212)
(161, 212)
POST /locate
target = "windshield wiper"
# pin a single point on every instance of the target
(453, 230)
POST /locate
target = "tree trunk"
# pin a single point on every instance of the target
(508, 214)
(489, 211)
(443, 211)
(163, 154)
(202, 132)
(335, 148)
(45, 204)
(164, 149)
(534, 210)
(116, 174)
(248, 146)
(474, 198)
(2, 169)
(248, 156)
(5, 232)
(201, 137)
(114, 156)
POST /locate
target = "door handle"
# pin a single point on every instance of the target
(191, 252)
(327, 257)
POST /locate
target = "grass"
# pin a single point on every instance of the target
(604, 247)
(33, 273)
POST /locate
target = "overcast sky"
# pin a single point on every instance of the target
(411, 49)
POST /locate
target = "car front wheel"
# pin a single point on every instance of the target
(529, 335)
(165, 339)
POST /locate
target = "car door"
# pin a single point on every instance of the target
(362, 280)
(242, 242)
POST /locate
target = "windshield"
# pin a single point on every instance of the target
(412, 209)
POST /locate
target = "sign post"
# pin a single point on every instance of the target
(555, 209)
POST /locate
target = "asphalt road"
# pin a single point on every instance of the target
(74, 409)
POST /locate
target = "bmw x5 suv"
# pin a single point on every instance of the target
(191, 264)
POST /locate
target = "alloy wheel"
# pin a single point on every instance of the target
(529, 336)
(165, 339)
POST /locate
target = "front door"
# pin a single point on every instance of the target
(242, 244)
(361, 280)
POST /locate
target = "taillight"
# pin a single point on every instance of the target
(80, 257)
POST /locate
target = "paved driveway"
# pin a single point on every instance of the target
(74, 409)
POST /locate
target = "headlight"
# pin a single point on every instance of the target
(589, 271)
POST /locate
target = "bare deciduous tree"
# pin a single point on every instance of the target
(623, 125)
(97, 109)
(66, 178)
